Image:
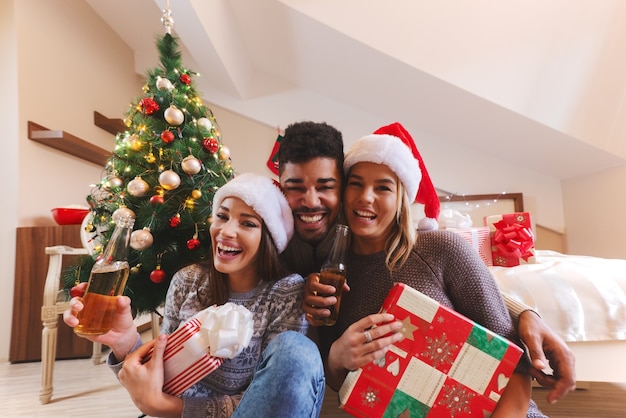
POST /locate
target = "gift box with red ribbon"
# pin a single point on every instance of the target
(512, 239)
(446, 365)
(479, 238)
(200, 345)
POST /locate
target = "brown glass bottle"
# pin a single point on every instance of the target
(333, 273)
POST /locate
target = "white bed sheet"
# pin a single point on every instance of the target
(581, 298)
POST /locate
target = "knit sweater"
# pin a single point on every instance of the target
(441, 265)
(275, 306)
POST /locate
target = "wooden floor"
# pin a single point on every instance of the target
(82, 389)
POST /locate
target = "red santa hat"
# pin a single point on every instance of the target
(393, 146)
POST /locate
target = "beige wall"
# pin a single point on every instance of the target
(8, 168)
(595, 207)
(68, 64)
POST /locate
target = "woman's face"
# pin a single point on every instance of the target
(236, 237)
(370, 205)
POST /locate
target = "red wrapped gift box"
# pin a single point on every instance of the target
(512, 239)
(479, 238)
(186, 358)
(446, 365)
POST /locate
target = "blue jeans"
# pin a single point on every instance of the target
(288, 381)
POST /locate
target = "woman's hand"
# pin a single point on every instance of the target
(364, 341)
(317, 306)
(123, 334)
(144, 380)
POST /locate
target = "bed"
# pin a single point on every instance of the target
(583, 299)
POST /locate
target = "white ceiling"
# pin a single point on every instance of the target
(349, 63)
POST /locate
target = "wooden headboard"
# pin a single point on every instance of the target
(480, 205)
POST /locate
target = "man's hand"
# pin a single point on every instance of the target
(546, 349)
(317, 306)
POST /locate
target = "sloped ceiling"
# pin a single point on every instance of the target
(359, 64)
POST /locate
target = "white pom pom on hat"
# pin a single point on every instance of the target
(267, 200)
(393, 146)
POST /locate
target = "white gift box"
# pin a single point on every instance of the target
(200, 345)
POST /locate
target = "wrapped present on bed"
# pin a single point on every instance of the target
(512, 239)
(479, 238)
(446, 365)
(200, 345)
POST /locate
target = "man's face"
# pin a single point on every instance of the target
(313, 190)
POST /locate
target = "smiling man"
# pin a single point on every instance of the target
(311, 176)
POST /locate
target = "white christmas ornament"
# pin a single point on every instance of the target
(138, 187)
(164, 84)
(191, 165)
(224, 153)
(169, 180)
(121, 213)
(174, 116)
(141, 239)
(204, 123)
(112, 182)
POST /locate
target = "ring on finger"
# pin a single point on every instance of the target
(368, 336)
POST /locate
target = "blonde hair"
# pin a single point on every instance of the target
(403, 233)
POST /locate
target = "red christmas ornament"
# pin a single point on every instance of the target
(167, 136)
(157, 275)
(211, 145)
(193, 243)
(149, 106)
(175, 220)
(157, 199)
(185, 79)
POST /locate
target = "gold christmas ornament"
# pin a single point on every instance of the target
(169, 180)
(174, 116)
(196, 194)
(135, 143)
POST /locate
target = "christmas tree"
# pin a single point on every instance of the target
(163, 172)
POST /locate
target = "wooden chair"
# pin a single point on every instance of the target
(50, 311)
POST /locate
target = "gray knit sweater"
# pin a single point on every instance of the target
(276, 307)
(443, 266)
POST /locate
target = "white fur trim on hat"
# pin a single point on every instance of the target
(262, 195)
(390, 151)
